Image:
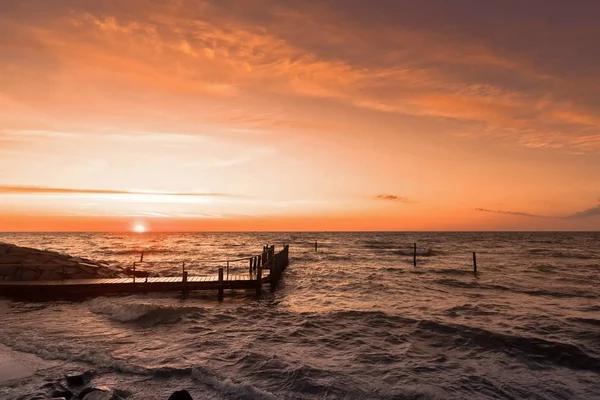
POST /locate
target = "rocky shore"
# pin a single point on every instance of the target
(75, 386)
(29, 264)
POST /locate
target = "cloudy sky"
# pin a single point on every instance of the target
(299, 114)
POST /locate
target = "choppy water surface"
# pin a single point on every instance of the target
(353, 321)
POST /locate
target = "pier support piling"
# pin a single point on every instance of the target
(184, 279)
(221, 284)
(259, 280)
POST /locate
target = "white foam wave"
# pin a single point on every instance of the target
(128, 310)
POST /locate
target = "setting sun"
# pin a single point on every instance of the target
(139, 228)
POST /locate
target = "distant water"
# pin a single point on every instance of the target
(353, 321)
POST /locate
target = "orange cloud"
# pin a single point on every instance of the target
(4, 189)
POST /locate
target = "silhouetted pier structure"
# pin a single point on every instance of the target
(266, 268)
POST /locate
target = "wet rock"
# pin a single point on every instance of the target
(75, 378)
(181, 395)
(123, 393)
(99, 393)
(91, 389)
(35, 396)
(57, 390)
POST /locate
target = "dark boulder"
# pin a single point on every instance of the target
(181, 395)
(99, 393)
(57, 390)
(34, 396)
(75, 378)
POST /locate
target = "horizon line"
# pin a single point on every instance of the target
(316, 231)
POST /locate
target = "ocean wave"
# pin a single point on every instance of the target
(56, 351)
(377, 245)
(538, 350)
(460, 336)
(232, 389)
(420, 253)
(589, 321)
(123, 311)
(469, 309)
(112, 252)
(532, 292)
(562, 254)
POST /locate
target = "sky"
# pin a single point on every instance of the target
(185, 115)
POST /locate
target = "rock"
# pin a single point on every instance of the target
(71, 270)
(51, 264)
(11, 259)
(98, 393)
(50, 275)
(91, 389)
(57, 390)
(34, 396)
(30, 275)
(27, 264)
(78, 378)
(88, 269)
(81, 275)
(181, 395)
(31, 263)
(5, 270)
(123, 393)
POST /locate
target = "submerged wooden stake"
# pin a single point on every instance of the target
(415, 255)
(474, 262)
(316, 246)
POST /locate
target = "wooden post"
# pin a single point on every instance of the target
(250, 266)
(227, 270)
(474, 263)
(259, 280)
(274, 275)
(184, 281)
(183, 267)
(316, 246)
(134, 271)
(142, 257)
(415, 255)
(220, 283)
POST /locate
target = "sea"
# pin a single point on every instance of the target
(353, 320)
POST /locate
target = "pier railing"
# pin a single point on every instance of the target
(275, 262)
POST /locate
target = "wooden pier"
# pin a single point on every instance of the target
(266, 268)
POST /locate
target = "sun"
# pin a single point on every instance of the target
(139, 228)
